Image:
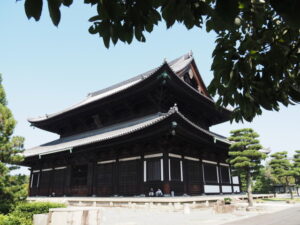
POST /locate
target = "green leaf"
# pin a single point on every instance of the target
(33, 8)
(67, 2)
(227, 10)
(95, 18)
(106, 41)
(53, 6)
(289, 10)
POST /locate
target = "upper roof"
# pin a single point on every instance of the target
(113, 132)
(179, 66)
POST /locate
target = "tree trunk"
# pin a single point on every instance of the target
(274, 189)
(291, 192)
(249, 189)
(289, 187)
(297, 191)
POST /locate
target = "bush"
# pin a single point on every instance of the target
(28, 209)
(23, 213)
(2, 218)
(13, 189)
(14, 220)
(227, 200)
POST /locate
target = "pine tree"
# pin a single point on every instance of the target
(264, 181)
(296, 165)
(10, 154)
(283, 169)
(245, 157)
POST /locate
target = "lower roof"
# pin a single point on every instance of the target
(112, 132)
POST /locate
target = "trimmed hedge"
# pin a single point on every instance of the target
(14, 220)
(2, 218)
(23, 213)
(28, 209)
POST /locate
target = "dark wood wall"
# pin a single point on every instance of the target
(113, 171)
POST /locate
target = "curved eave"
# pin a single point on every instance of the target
(134, 84)
(124, 86)
(160, 123)
(197, 131)
(223, 114)
(178, 64)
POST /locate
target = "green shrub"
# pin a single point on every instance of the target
(2, 218)
(23, 213)
(28, 209)
(14, 220)
(227, 200)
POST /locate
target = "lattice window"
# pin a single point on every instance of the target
(210, 173)
(194, 171)
(175, 169)
(225, 174)
(45, 182)
(105, 174)
(59, 181)
(128, 177)
(153, 169)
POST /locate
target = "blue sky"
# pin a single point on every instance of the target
(46, 69)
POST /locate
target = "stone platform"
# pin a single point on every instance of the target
(128, 201)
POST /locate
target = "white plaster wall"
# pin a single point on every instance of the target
(236, 189)
(211, 189)
(226, 189)
(235, 180)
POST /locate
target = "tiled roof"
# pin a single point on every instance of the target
(178, 65)
(94, 136)
(107, 133)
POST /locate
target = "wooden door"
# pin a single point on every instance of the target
(104, 179)
(59, 182)
(44, 184)
(194, 177)
(128, 177)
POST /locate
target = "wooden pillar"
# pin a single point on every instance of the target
(40, 177)
(51, 183)
(67, 189)
(116, 176)
(202, 175)
(94, 169)
(29, 191)
(141, 175)
(202, 156)
(90, 176)
(185, 177)
(231, 181)
(166, 182)
(219, 176)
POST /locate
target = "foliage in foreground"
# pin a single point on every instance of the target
(23, 213)
(12, 188)
(256, 59)
(245, 157)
